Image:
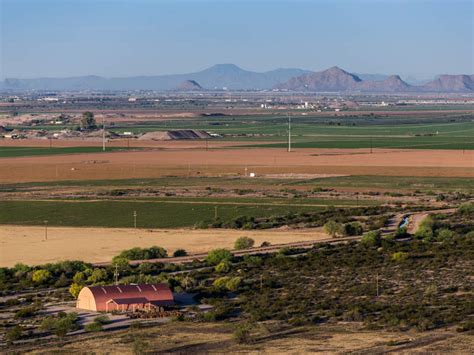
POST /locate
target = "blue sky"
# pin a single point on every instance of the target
(143, 37)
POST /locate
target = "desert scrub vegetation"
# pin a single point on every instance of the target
(382, 283)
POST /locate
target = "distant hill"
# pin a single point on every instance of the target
(218, 77)
(189, 85)
(451, 83)
(337, 80)
(332, 79)
(232, 77)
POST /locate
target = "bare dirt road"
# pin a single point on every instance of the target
(27, 244)
(215, 162)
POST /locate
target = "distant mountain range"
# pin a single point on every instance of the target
(231, 77)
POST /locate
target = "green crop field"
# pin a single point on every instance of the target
(12, 152)
(380, 182)
(119, 214)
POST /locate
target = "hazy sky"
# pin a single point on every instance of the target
(122, 38)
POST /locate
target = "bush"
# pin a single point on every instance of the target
(180, 252)
(215, 256)
(64, 324)
(13, 334)
(399, 256)
(227, 283)
(102, 319)
(242, 333)
(424, 232)
(93, 327)
(41, 276)
(353, 228)
(223, 266)
(445, 235)
(26, 312)
(372, 238)
(75, 289)
(244, 243)
(153, 252)
(333, 228)
(466, 209)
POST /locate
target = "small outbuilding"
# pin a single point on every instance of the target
(124, 297)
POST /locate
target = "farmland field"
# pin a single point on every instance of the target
(10, 152)
(120, 214)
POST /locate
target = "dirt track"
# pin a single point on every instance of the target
(27, 245)
(200, 162)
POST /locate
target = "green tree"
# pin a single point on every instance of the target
(223, 266)
(353, 228)
(179, 252)
(88, 120)
(215, 256)
(244, 243)
(74, 289)
(98, 275)
(445, 235)
(372, 238)
(41, 276)
(333, 228)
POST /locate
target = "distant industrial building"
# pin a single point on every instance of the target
(124, 297)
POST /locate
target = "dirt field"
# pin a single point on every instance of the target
(27, 245)
(184, 337)
(199, 162)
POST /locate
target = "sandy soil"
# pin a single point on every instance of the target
(199, 162)
(217, 338)
(27, 244)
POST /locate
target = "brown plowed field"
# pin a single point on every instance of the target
(215, 162)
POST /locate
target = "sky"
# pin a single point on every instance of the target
(61, 38)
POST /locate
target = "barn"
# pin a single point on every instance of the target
(124, 297)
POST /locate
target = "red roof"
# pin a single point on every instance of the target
(152, 293)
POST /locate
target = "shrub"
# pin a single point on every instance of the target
(424, 232)
(102, 319)
(372, 238)
(223, 266)
(26, 312)
(227, 283)
(13, 334)
(445, 235)
(215, 256)
(333, 228)
(41, 276)
(353, 228)
(265, 244)
(466, 208)
(153, 252)
(242, 333)
(244, 243)
(399, 256)
(180, 252)
(74, 290)
(93, 327)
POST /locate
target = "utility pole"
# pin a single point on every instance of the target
(246, 171)
(45, 230)
(116, 275)
(289, 133)
(103, 133)
(135, 219)
(371, 144)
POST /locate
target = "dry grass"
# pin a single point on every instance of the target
(217, 338)
(27, 245)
